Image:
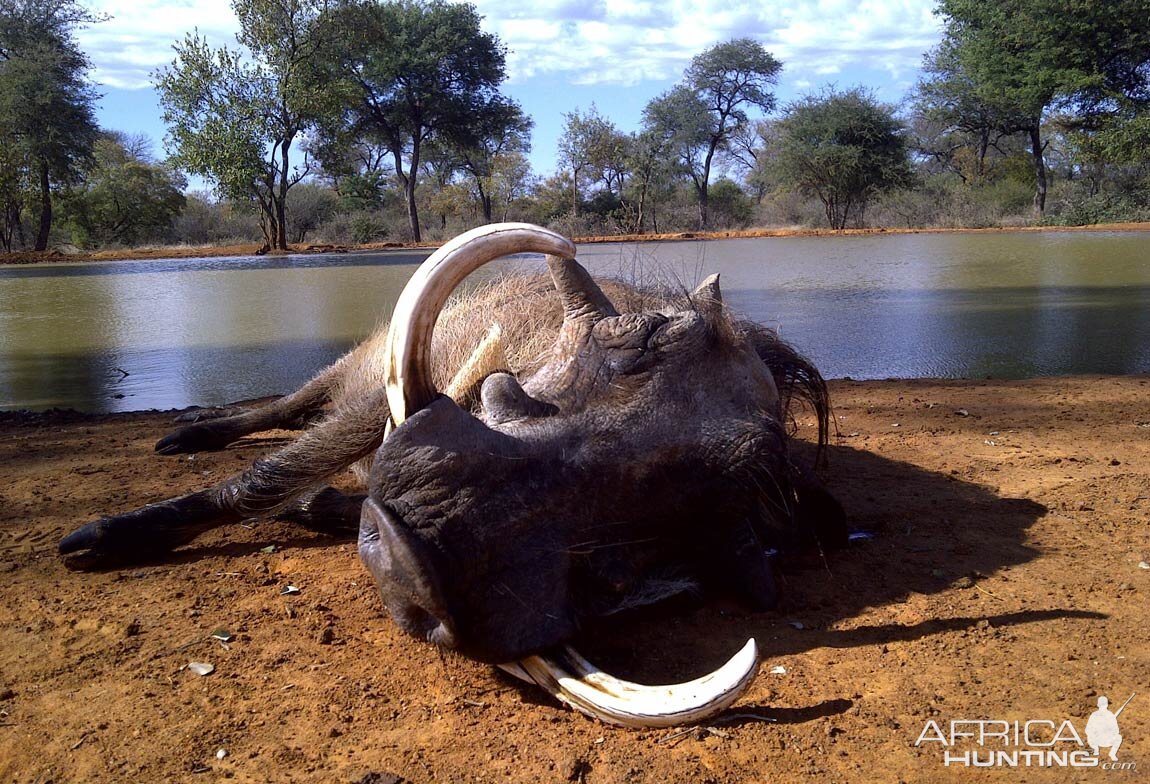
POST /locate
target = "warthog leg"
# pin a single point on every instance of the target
(326, 510)
(270, 486)
(291, 412)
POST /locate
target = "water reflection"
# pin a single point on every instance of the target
(1002, 305)
(162, 378)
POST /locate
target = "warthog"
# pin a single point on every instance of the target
(611, 447)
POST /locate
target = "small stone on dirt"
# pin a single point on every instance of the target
(201, 668)
(962, 412)
(379, 778)
(326, 636)
(964, 582)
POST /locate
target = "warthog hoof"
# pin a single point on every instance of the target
(203, 414)
(207, 436)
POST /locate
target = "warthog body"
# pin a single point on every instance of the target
(632, 442)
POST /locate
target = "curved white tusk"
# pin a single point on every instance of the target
(409, 384)
(580, 684)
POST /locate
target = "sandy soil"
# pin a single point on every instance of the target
(183, 252)
(1003, 583)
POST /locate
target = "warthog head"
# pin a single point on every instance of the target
(648, 452)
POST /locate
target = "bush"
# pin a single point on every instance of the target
(1076, 206)
(354, 228)
(208, 222)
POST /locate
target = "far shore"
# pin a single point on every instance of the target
(252, 249)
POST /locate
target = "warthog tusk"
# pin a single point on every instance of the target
(487, 357)
(409, 384)
(578, 683)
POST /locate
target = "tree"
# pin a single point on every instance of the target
(309, 205)
(649, 170)
(511, 180)
(677, 126)
(844, 148)
(731, 207)
(501, 132)
(1023, 57)
(47, 116)
(952, 115)
(711, 105)
(125, 198)
(590, 145)
(407, 73)
(234, 116)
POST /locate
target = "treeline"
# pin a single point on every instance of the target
(352, 121)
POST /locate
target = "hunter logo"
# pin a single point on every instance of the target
(1040, 743)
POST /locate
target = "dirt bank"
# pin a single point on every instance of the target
(184, 252)
(1003, 583)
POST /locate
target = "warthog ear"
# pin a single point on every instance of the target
(707, 296)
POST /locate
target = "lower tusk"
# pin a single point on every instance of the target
(578, 683)
(487, 357)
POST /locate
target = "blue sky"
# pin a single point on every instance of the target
(568, 54)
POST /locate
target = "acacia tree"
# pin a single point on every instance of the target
(233, 116)
(47, 116)
(1025, 57)
(408, 72)
(700, 116)
(844, 148)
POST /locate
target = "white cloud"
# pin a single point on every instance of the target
(621, 42)
(138, 38)
(625, 42)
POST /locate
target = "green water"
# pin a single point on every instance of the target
(120, 336)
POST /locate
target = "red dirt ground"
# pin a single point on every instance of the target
(1003, 584)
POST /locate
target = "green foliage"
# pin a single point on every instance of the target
(492, 155)
(309, 205)
(406, 73)
(47, 116)
(697, 119)
(843, 147)
(1005, 65)
(125, 199)
(731, 208)
(361, 191)
(731, 75)
(234, 115)
(593, 147)
(1081, 208)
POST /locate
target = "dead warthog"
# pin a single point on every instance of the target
(599, 449)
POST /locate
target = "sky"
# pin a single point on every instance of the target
(565, 55)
